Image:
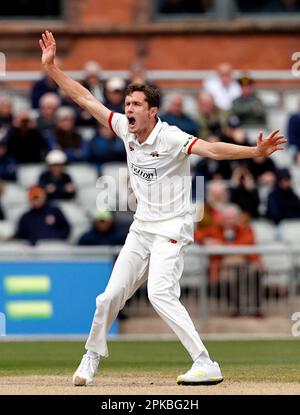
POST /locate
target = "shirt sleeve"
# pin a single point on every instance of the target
(118, 123)
(180, 142)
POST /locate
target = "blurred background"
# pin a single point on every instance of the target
(226, 70)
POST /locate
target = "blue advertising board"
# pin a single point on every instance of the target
(44, 298)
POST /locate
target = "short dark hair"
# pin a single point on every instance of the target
(151, 93)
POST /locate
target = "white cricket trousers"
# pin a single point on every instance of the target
(143, 256)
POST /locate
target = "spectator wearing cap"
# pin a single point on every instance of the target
(263, 170)
(223, 87)
(8, 164)
(249, 107)
(106, 147)
(41, 221)
(114, 94)
(55, 181)
(24, 142)
(283, 203)
(104, 231)
(175, 115)
(66, 138)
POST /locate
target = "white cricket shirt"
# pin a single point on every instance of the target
(159, 171)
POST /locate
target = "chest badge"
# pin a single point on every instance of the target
(131, 148)
(154, 154)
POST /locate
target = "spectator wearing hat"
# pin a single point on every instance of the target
(8, 164)
(66, 138)
(223, 87)
(115, 94)
(57, 183)
(283, 203)
(104, 231)
(41, 221)
(175, 115)
(249, 107)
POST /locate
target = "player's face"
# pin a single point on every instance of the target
(138, 113)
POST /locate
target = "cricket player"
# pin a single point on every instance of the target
(158, 161)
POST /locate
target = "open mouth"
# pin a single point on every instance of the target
(131, 121)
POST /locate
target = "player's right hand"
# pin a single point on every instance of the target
(48, 46)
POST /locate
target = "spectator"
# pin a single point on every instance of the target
(211, 118)
(8, 165)
(104, 231)
(6, 114)
(217, 196)
(175, 115)
(244, 192)
(2, 216)
(57, 184)
(293, 131)
(139, 76)
(41, 87)
(24, 142)
(235, 275)
(263, 170)
(48, 105)
(42, 221)
(93, 79)
(66, 138)
(106, 147)
(233, 133)
(223, 87)
(248, 107)
(94, 83)
(283, 203)
(114, 94)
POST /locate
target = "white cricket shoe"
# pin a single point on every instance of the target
(86, 370)
(201, 374)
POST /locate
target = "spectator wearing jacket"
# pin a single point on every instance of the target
(41, 221)
(104, 231)
(57, 183)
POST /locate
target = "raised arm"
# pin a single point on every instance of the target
(224, 151)
(73, 89)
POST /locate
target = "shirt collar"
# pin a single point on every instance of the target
(151, 138)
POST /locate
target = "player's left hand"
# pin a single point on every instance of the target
(267, 146)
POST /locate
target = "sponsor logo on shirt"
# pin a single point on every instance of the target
(173, 241)
(148, 174)
(187, 143)
(131, 148)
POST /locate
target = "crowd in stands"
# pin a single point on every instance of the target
(56, 133)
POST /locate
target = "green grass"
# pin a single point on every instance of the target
(269, 360)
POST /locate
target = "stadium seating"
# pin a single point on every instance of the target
(28, 174)
(83, 174)
(265, 232)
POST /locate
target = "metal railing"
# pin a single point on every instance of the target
(240, 290)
